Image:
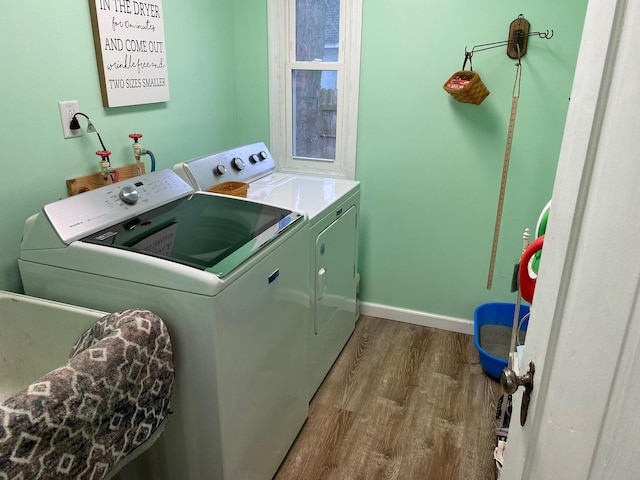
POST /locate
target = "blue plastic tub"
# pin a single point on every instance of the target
(495, 314)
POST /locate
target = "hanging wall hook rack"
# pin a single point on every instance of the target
(487, 46)
(516, 43)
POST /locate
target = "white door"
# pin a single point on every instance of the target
(584, 332)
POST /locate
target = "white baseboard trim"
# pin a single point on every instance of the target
(417, 317)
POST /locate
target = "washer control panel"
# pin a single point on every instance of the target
(241, 164)
(81, 215)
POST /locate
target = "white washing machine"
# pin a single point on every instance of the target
(333, 207)
(229, 277)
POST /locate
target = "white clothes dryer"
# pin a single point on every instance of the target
(230, 279)
(333, 207)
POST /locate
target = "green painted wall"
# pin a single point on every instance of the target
(48, 55)
(430, 167)
(252, 68)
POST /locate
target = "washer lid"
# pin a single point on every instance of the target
(214, 233)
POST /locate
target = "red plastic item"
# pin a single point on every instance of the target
(135, 136)
(103, 153)
(528, 284)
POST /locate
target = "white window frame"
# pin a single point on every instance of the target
(281, 44)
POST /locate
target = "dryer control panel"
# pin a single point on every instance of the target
(242, 164)
(81, 215)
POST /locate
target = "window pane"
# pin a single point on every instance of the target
(317, 28)
(315, 96)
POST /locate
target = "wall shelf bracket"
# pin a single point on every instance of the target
(517, 43)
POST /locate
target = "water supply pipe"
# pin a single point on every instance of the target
(105, 167)
(138, 151)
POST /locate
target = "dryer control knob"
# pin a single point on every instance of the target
(237, 163)
(220, 170)
(129, 195)
(263, 155)
(254, 158)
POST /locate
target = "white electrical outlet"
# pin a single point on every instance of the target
(67, 110)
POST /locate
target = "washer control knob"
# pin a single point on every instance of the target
(220, 170)
(237, 163)
(129, 195)
(263, 155)
(254, 158)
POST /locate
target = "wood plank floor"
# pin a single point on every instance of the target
(401, 402)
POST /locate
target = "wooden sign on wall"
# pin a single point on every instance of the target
(130, 50)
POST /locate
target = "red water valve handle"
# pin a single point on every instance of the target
(103, 153)
(528, 284)
(135, 136)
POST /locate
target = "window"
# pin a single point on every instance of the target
(314, 62)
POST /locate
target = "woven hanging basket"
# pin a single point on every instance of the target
(466, 85)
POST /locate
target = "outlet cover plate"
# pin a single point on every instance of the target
(68, 109)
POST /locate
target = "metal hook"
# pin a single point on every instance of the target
(545, 35)
(467, 56)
